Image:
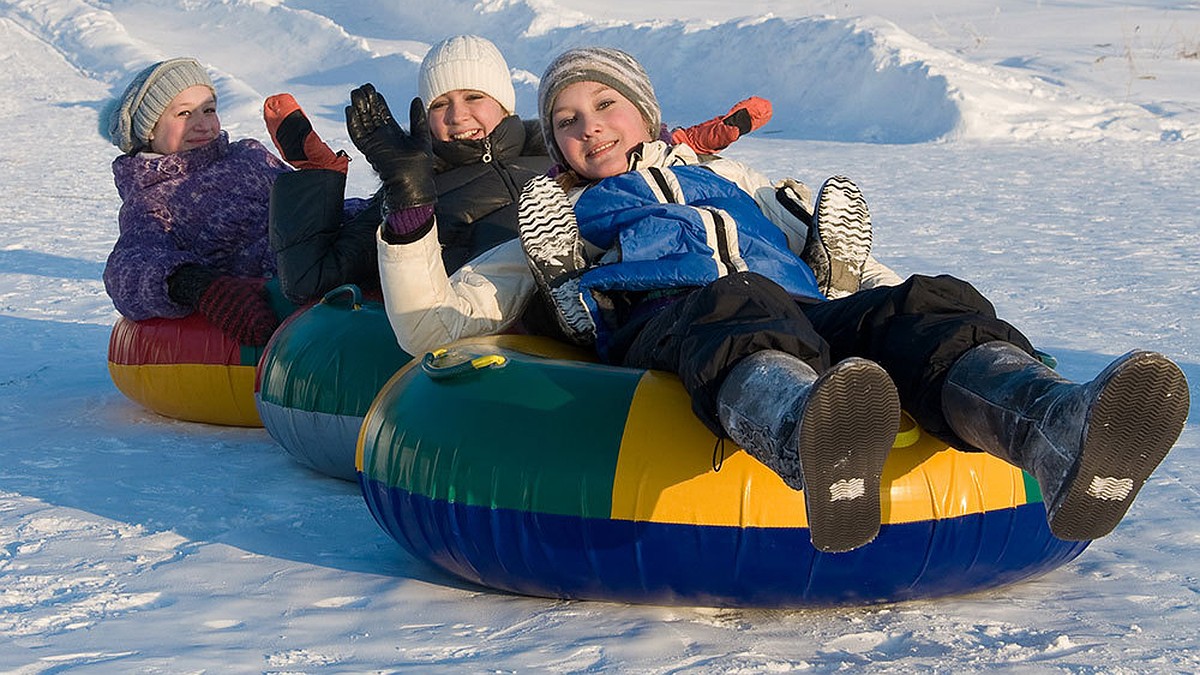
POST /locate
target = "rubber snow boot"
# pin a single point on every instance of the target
(1090, 446)
(826, 434)
(839, 240)
(555, 252)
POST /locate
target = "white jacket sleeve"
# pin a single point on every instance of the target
(428, 309)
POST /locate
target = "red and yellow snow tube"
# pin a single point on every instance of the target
(515, 463)
(186, 369)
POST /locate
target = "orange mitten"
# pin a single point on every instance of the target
(295, 139)
(715, 135)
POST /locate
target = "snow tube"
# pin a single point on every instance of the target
(186, 369)
(319, 374)
(516, 464)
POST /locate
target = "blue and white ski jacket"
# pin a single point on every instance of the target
(679, 226)
(429, 308)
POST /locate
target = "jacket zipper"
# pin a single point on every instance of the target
(513, 189)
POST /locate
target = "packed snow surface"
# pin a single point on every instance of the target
(1046, 151)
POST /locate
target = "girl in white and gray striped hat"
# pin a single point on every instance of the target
(687, 269)
(610, 67)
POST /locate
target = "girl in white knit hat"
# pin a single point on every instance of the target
(478, 156)
(663, 261)
(467, 88)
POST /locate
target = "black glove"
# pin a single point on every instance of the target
(188, 282)
(403, 161)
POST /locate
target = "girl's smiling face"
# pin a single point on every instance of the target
(189, 121)
(464, 115)
(595, 128)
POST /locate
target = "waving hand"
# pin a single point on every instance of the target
(404, 161)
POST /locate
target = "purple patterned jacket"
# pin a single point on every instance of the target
(206, 206)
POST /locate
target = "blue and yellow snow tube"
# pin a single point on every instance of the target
(319, 374)
(515, 463)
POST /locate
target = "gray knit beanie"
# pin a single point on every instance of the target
(466, 62)
(133, 114)
(608, 66)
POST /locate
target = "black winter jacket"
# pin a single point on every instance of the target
(321, 240)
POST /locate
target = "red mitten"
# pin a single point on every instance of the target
(240, 308)
(715, 135)
(295, 139)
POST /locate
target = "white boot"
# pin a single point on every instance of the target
(826, 434)
(1090, 446)
(555, 252)
(839, 240)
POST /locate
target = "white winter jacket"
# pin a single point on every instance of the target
(428, 309)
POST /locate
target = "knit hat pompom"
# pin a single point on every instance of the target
(132, 115)
(610, 67)
(466, 62)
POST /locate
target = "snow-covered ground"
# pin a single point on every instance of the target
(1047, 151)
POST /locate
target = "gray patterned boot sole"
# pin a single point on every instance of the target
(1137, 417)
(842, 243)
(847, 429)
(551, 241)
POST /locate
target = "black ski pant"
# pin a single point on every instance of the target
(915, 331)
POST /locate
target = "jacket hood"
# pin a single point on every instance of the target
(659, 153)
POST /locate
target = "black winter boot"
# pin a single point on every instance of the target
(1090, 446)
(827, 435)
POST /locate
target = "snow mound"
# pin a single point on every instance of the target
(858, 80)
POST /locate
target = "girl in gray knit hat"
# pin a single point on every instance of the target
(663, 262)
(136, 120)
(193, 219)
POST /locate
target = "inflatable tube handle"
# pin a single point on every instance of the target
(909, 433)
(435, 371)
(355, 295)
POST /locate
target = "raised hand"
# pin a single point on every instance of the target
(716, 134)
(404, 161)
(294, 137)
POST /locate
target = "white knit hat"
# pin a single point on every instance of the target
(466, 62)
(132, 115)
